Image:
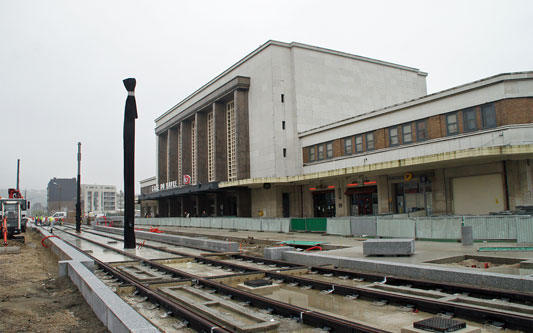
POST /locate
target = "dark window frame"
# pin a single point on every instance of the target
(346, 152)
(448, 115)
(397, 136)
(328, 155)
(466, 120)
(424, 130)
(492, 108)
(357, 151)
(369, 141)
(410, 126)
(318, 152)
(313, 150)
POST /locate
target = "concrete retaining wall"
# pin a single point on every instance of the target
(112, 311)
(414, 271)
(199, 243)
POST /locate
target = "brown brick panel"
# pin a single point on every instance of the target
(380, 139)
(514, 111)
(305, 154)
(337, 148)
(434, 127)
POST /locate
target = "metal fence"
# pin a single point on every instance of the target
(504, 228)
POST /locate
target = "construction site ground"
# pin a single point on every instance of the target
(34, 299)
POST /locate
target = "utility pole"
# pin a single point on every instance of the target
(78, 193)
(18, 170)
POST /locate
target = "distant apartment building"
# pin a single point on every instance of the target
(99, 198)
(61, 194)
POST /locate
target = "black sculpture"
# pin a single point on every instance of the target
(130, 114)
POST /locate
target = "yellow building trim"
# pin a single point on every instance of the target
(412, 161)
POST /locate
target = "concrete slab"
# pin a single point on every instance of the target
(276, 253)
(389, 247)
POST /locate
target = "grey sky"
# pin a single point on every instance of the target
(62, 63)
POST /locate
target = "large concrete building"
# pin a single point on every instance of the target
(297, 130)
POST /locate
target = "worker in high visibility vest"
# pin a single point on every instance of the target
(51, 219)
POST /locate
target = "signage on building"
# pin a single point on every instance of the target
(165, 186)
(186, 180)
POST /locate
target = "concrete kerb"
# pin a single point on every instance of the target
(112, 311)
(201, 243)
(415, 271)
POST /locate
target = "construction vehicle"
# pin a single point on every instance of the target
(13, 213)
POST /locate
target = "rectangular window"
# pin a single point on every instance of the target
(469, 120)
(393, 136)
(283, 124)
(312, 156)
(320, 149)
(329, 150)
(282, 98)
(421, 130)
(348, 146)
(210, 147)
(231, 141)
(284, 152)
(359, 144)
(488, 115)
(451, 124)
(407, 135)
(369, 141)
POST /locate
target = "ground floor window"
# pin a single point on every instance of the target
(413, 196)
(324, 203)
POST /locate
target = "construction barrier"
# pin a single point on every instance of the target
(517, 228)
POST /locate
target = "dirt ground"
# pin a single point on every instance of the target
(34, 299)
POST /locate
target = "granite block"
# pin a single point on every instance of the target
(389, 247)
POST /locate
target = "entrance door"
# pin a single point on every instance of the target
(324, 203)
(286, 204)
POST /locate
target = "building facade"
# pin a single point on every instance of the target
(98, 199)
(296, 130)
(61, 195)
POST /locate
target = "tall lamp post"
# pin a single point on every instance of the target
(78, 193)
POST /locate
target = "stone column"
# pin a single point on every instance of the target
(384, 202)
(173, 154)
(438, 189)
(221, 157)
(162, 157)
(201, 147)
(242, 132)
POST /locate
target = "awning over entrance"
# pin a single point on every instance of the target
(180, 191)
(361, 190)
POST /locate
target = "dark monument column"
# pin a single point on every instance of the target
(130, 114)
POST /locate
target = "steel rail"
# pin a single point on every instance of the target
(195, 321)
(305, 316)
(431, 306)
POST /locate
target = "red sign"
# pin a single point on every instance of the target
(186, 180)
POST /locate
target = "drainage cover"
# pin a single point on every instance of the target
(258, 283)
(439, 324)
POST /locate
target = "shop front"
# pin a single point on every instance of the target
(363, 200)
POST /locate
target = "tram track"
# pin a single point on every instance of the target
(286, 272)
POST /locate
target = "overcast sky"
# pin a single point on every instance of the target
(62, 63)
